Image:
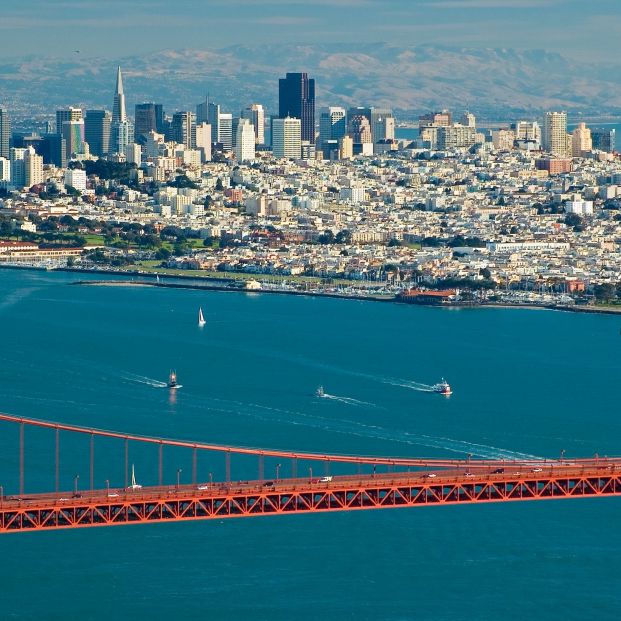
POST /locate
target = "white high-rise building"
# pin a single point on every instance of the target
(203, 141)
(256, 115)
(5, 170)
(245, 141)
(26, 168)
(287, 137)
(555, 133)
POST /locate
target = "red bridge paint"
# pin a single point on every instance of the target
(450, 482)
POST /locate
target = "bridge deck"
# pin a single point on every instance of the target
(519, 481)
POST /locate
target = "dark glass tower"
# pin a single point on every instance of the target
(5, 133)
(97, 131)
(296, 98)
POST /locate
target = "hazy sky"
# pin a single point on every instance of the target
(577, 28)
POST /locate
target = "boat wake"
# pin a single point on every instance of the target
(348, 400)
(143, 379)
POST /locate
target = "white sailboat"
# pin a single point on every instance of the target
(201, 319)
(134, 485)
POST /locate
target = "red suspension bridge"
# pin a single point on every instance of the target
(302, 482)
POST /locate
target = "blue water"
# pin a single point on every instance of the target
(527, 382)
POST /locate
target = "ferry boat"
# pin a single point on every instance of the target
(172, 381)
(201, 319)
(320, 392)
(443, 388)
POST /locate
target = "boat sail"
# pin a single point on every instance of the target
(201, 319)
(172, 381)
(134, 485)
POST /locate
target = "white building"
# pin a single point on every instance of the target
(76, 178)
(245, 141)
(5, 169)
(203, 141)
(555, 133)
(256, 115)
(287, 138)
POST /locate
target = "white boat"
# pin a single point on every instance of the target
(172, 381)
(443, 388)
(201, 319)
(320, 392)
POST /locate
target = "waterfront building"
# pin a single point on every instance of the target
(97, 131)
(554, 136)
(287, 138)
(439, 119)
(5, 133)
(245, 141)
(256, 115)
(296, 99)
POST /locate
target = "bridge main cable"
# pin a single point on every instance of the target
(399, 461)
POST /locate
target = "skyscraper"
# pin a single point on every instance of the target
(145, 119)
(121, 130)
(213, 118)
(554, 139)
(69, 114)
(296, 99)
(604, 139)
(73, 133)
(183, 129)
(225, 130)
(5, 133)
(332, 127)
(97, 131)
(245, 141)
(256, 115)
(286, 137)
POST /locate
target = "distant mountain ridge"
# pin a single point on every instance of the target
(409, 79)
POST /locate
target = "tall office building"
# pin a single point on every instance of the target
(121, 130)
(555, 133)
(360, 129)
(604, 139)
(381, 121)
(332, 127)
(54, 150)
(5, 133)
(440, 119)
(245, 141)
(256, 115)
(287, 137)
(296, 99)
(202, 112)
(69, 114)
(97, 131)
(145, 119)
(213, 118)
(203, 141)
(73, 133)
(225, 130)
(183, 129)
(581, 141)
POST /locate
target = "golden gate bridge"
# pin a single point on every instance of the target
(303, 482)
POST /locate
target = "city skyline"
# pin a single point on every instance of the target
(89, 27)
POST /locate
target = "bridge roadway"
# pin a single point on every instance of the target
(474, 482)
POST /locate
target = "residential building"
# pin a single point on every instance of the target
(554, 137)
(581, 141)
(5, 133)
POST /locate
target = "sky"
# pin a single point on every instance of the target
(116, 28)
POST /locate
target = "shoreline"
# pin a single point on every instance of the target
(229, 285)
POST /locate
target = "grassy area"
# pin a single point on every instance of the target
(153, 266)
